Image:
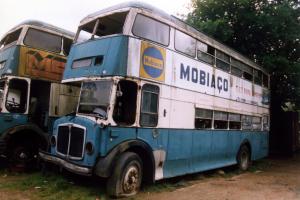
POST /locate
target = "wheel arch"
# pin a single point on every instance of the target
(246, 143)
(24, 133)
(105, 164)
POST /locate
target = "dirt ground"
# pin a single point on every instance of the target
(279, 181)
(269, 179)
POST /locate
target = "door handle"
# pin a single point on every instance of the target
(155, 133)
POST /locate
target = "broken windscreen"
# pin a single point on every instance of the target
(95, 98)
(103, 26)
(2, 84)
(10, 38)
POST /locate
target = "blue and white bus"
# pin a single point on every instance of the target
(158, 99)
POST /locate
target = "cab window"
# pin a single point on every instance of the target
(125, 105)
(16, 100)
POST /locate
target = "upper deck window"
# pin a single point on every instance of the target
(67, 43)
(223, 61)
(10, 38)
(185, 43)
(151, 29)
(205, 53)
(103, 26)
(43, 40)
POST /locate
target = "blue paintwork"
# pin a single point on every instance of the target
(11, 57)
(114, 51)
(10, 120)
(188, 151)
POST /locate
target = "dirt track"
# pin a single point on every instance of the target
(280, 181)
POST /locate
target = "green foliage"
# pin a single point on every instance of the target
(267, 31)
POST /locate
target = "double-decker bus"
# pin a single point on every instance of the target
(32, 59)
(158, 99)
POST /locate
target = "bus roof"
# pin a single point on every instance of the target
(178, 24)
(44, 25)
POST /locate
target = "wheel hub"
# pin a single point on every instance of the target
(131, 178)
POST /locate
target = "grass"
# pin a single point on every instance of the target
(55, 186)
(52, 186)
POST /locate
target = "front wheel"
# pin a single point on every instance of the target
(126, 178)
(244, 158)
(21, 158)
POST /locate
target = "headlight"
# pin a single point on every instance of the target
(82, 63)
(2, 64)
(53, 140)
(89, 148)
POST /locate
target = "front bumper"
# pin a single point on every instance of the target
(86, 171)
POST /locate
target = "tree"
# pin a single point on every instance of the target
(267, 31)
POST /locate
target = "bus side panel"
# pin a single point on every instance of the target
(11, 65)
(41, 64)
(10, 120)
(220, 148)
(179, 153)
(256, 139)
(201, 150)
(117, 135)
(234, 141)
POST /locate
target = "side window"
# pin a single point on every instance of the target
(220, 120)
(246, 122)
(234, 121)
(125, 105)
(16, 100)
(236, 67)
(247, 72)
(185, 43)
(43, 40)
(223, 61)
(149, 105)
(151, 29)
(256, 123)
(203, 118)
(257, 77)
(265, 80)
(67, 43)
(205, 53)
(266, 123)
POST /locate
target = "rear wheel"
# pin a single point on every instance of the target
(126, 177)
(244, 158)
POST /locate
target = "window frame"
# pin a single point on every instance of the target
(141, 105)
(26, 98)
(47, 32)
(169, 27)
(212, 118)
(195, 49)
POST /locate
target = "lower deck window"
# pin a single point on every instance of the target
(203, 118)
(256, 123)
(149, 105)
(234, 121)
(246, 122)
(220, 120)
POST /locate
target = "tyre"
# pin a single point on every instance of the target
(21, 158)
(244, 158)
(126, 177)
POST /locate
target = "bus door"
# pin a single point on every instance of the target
(148, 130)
